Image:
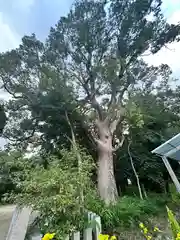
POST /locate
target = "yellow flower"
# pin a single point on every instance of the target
(141, 225)
(149, 237)
(145, 230)
(156, 229)
(178, 236)
(103, 237)
(48, 236)
(113, 238)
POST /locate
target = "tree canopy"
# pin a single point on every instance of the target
(2, 119)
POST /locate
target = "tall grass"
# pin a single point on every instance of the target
(128, 211)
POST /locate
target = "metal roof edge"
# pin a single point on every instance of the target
(163, 144)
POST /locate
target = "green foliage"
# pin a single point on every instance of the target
(174, 195)
(13, 169)
(3, 118)
(55, 193)
(94, 52)
(127, 212)
(96, 46)
(157, 233)
(151, 122)
(175, 227)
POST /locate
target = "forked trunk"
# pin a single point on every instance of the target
(106, 179)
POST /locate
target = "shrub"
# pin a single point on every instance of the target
(56, 193)
(156, 233)
(174, 194)
(127, 211)
(12, 172)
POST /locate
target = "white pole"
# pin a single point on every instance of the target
(171, 172)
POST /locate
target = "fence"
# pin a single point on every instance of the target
(21, 218)
(90, 233)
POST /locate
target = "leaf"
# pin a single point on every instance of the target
(175, 227)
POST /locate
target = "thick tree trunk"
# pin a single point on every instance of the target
(106, 179)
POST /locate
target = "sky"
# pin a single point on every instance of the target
(20, 17)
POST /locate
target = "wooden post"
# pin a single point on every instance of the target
(172, 174)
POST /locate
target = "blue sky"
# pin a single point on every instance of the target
(19, 17)
(170, 6)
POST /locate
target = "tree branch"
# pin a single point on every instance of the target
(120, 144)
(21, 139)
(11, 93)
(24, 96)
(117, 119)
(89, 91)
(125, 88)
(115, 90)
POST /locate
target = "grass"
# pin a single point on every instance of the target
(124, 217)
(134, 233)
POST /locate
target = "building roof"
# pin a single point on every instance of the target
(170, 148)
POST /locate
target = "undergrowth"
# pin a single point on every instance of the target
(128, 211)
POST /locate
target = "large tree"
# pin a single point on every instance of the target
(95, 52)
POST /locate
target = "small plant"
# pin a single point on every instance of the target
(127, 212)
(174, 225)
(149, 234)
(175, 196)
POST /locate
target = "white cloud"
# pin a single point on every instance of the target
(9, 38)
(3, 142)
(4, 96)
(170, 6)
(175, 17)
(23, 5)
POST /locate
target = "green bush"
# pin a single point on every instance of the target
(13, 167)
(156, 233)
(127, 211)
(56, 193)
(174, 195)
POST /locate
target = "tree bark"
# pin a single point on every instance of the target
(106, 179)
